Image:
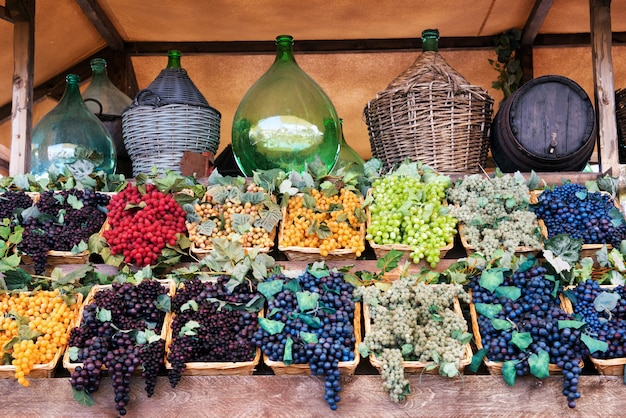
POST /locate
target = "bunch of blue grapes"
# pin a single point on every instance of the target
(536, 311)
(331, 321)
(572, 209)
(605, 323)
(12, 202)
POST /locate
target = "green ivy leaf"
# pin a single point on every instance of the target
(492, 278)
(501, 324)
(539, 364)
(606, 301)
(163, 303)
(521, 339)
(477, 359)
(288, 355)
(307, 300)
(488, 310)
(103, 315)
(270, 288)
(570, 324)
(190, 328)
(190, 304)
(271, 326)
(594, 345)
(82, 397)
(508, 372)
(318, 269)
(308, 337)
(73, 353)
(511, 292)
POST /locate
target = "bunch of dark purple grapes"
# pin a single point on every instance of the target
(604, 312)
(506, 320)
(222, 327)
(106, 338)
(65, 219)
(590, 216)
(321, 336)
(13, 202)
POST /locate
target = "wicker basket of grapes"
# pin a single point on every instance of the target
(591, 216)
(414, 327)
(601, 308)
(111, 297)
(35, 353)
(494, 214)
(519, 324)
(210, 333)
(238, 207)
(77, 214)
(316, 226)
(408, 212)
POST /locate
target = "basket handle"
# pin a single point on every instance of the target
(147, 97)
(89, 99)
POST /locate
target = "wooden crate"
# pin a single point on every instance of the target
(345, 367)
(415, 367)
(71, 366)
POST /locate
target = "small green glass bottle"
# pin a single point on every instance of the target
(348, 159)
(285, 120)
(71, 137)
(430, 40)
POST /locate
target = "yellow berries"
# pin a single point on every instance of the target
(332, 223)
(33, 328)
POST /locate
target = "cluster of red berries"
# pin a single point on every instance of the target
(142, 224)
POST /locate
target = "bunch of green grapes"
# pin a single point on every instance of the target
(414, 321)
(410, 211)
(495, 213)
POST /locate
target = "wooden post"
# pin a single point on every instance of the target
(23, 14)
(604, 86)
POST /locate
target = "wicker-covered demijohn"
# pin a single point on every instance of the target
(167, 118)
(432, 114)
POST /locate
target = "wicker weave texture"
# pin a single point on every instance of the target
(432, 114)
(158, 136)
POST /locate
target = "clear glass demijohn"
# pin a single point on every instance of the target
(71, 137)
(285, 120)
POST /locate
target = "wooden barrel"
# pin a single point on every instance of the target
(548, 124)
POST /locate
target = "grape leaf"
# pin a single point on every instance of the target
(163, 303)
(606, 301)
(462, 336)
(207, 227)
(307, 300)
(508, 372)
(594, 345)
(75, 202)
(308, 337)
(570, 324)
(82, 397)
(539, 364)
(501, 324)
(312, 321)
(511, 292)
(364, 350)
(73, 353)
(242, 222)
(270, 288)
(287, 187)
(103, 315)
(477, 359)
(407, 349)
(288, 353)
(293, 285)
(488, 310)
(617, 260)
(269, 218)
(615, 278)
(254, 198)
(271, 326)
(130, 206)
(318, 269)
(565, 247)
(492, 278)
(190, 304)
(448, 369)
(521, 339)
(581, 195)
(80, 247)
(190, 328)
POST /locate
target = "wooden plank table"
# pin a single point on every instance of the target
(302, 396)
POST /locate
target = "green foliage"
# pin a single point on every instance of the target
(507, 64)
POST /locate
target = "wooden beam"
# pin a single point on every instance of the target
(102, 23)
(600, 21)
(4, 14)
(535, 20)
(23, 13)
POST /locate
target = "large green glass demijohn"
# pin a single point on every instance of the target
(71, 137)
(285, 120)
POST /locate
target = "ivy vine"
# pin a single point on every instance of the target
(507, 64)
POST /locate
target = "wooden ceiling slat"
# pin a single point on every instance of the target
(102, 23)
(4, 14)
(535, 20)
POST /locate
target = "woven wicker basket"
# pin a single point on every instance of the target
(345, 367)
(414, 367)
(495, 367)
(46, 369)
(167, 283)
(432, 114)
(166, 119)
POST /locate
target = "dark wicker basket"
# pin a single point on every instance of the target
(432, 114)
(166, 119)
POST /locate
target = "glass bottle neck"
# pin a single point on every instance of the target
(173, 59)
(430, 40)
(284, 48)
(72, 91)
